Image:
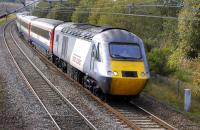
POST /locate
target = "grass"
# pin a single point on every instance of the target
(168, 95)
(3, 20)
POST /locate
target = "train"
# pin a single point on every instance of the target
(104, 59)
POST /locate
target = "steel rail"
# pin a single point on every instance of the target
(105, 105)
(108, 107)
(155, 118)
(24, 78)
(54, 87)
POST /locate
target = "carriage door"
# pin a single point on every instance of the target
(56, 43)
(64, 47)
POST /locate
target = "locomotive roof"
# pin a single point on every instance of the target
(85, 31)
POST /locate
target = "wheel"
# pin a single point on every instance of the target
(96, 91)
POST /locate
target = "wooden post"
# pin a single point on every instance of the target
(178, 88)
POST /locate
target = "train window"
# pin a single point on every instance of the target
(41, 32)
(24, 24)
(125, 51)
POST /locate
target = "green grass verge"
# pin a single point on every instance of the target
(3, 20)
(167, 95)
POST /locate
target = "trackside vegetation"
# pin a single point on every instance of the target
(171, 34)
(4, 20)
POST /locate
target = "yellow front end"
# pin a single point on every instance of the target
(126, 85)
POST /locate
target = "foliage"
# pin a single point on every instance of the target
(57, 13)
(82, 11)
(158, 61)
(73, 3)
(185, 57)
(167, 94)
(61, 10)
(98, 8)
(189, 33)
(169, 34)
(4, 20)
(109, 14)
(41, 10)
(170, 45)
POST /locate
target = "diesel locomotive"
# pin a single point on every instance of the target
(104, 59)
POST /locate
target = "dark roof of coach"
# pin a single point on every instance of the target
(85, 31)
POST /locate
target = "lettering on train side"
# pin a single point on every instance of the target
(76, 59)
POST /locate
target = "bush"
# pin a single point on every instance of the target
(157, 59)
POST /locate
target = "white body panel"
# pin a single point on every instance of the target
(79, 53)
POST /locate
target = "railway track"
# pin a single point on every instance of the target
(139, 116)
(60, 110)
(129, 116)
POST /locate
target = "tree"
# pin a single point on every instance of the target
(189, 33)
(82, 11)
(158, 61)
(60, 12)
(149, 29)
(98, 8)
(41, 10)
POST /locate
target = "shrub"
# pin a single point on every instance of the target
(158, 61)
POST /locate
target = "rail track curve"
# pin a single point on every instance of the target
(52, 100)
(126, 114)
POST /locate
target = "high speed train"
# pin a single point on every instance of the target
(107, 60)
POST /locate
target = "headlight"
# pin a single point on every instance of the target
(115, 73)
(110, 73)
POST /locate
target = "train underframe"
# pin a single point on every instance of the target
(83, 79)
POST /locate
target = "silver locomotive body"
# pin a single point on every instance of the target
(85, 50)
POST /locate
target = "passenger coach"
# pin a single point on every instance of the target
(23, 23)
(42, 33)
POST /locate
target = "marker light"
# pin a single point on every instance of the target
(142, 74)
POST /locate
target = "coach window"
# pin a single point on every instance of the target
(24, 24)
